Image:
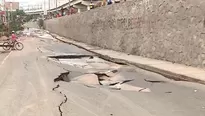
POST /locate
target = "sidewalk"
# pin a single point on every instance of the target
(170, 70)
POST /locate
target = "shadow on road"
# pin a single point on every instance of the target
(4, 52)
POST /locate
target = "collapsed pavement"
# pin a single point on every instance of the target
(116, 82)
(111, 79)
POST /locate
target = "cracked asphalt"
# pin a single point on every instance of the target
(27, 86)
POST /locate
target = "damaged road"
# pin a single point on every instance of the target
(50, 78)
(63, 102)
(71, 56)
(101, 79)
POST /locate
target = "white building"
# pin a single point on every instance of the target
(57, 5)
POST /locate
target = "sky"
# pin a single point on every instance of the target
(31, 3)
(26, 2)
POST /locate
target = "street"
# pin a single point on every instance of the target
(51, 78)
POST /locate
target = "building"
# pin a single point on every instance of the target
(7, 6)
(81, 5)
(11, 6)
(62, 6)
(2, 16)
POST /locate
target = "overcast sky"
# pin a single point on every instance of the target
(25, 2)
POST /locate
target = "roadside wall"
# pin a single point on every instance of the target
(171, 30)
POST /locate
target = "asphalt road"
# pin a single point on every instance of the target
(27, 86)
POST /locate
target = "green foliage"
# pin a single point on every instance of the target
(40, 23)
(16, 20)
(18, 13)
(1, 27)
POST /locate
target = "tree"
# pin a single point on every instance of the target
(16, 20)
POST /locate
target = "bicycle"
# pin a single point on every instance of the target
(8, 45)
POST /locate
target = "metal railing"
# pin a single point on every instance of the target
(32, 9)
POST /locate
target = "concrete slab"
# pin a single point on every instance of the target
(128, 87)
(87, 79)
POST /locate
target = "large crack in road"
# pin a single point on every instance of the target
(71, 56)
(63, 102)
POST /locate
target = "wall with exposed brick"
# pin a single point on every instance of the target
(171, 30)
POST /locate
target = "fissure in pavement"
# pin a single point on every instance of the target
(63, 102)
(26, 66)
(72, 56)
(153, 81)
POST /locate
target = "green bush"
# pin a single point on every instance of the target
(40, 23)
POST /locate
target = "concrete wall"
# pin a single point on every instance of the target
(171, 30)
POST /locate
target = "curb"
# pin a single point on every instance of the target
(165, 73)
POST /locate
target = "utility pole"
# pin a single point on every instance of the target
(3, 3)
(4, 9)
(56, 3)
(45, 10)
(69, 3)
(69, 7)
(44, 4)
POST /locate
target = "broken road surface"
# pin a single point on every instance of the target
(74, 82)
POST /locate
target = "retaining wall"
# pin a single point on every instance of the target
(171, 30)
